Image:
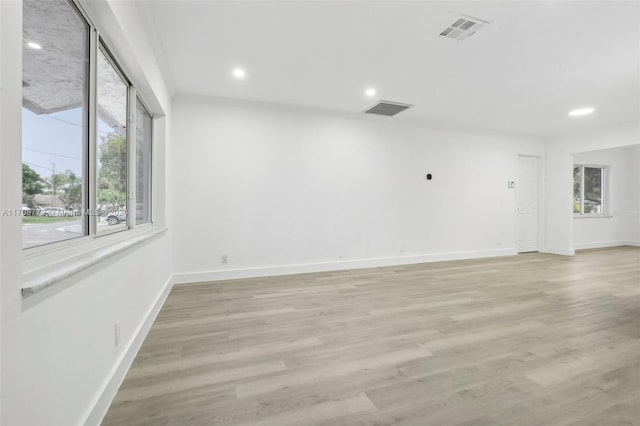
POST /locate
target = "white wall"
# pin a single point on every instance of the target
(58, 353)
(559, 179)
(281, 190)
(621, 225)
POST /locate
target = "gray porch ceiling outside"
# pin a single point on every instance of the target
(54, 76)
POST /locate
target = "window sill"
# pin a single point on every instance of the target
(593, 216)
(45, 276)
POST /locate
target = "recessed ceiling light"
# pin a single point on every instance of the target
(370, 92)
(34, 45)
(239, 73)
(581, 111)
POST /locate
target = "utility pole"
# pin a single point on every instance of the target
(53, 183)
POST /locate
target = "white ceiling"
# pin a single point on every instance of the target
(522, 73)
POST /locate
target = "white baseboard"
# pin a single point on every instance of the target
(229, 274)
(604, 244)
(560, 251)
(118, 373)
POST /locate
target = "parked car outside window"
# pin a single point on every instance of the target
(117, 217)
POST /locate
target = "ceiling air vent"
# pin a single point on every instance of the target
(463, 28)
(387, 108)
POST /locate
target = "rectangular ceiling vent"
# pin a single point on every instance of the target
(463, 28)
(387, 108)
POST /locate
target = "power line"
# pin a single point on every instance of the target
(51, 153)
(72, 123)
(64, 121)
(47, 168)
(37, 165)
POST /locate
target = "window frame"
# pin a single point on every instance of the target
(135, 158)
(128, 141)
(90, 144)
(604, 189)
(47, 264)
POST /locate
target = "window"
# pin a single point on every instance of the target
(589, 190)
(84, 171)
(54, 122)
(143, 163)
(111, 162)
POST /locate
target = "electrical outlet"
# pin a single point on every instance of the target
(224, 259)
(117, 333)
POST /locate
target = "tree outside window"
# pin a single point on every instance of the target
(588, 190)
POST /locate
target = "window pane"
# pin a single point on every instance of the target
(577, 183)
(143, 164)
(54, 122)
(592, 190)
(111, 164)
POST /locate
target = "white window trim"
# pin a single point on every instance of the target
(606, 190)
(83, 256)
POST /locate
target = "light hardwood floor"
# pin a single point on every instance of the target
(534, 339)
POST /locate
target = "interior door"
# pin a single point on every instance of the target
(527, 199)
